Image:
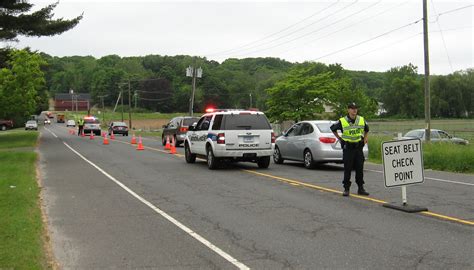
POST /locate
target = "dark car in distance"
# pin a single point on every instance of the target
(177, 128)
(118, 128)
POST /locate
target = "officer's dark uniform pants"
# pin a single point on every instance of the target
(353, 158)
(79, 131)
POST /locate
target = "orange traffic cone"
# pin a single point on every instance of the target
(91, 136)
(140, 145)
(112, 136)
(82, 134)
(173, 146)
(167, 145)
(106, 140)
(134, 139)
(103, 133)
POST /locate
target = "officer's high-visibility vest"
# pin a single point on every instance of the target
(80, 122)
(352, 132)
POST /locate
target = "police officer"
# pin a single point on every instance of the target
(354, 137)
(80, 124)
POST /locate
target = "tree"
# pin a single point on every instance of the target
(15, 20)
(20, 85)
(301, 94)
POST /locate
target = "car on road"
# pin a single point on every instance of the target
(230, 135)
(70, 123)
(437, 135)
(177, 128)
(118, 128)
(311, 142)
(31, 125)
(5, 124)
(92, 125)
(47, 121)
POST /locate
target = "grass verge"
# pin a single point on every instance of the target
(436, 156)
(21, 227)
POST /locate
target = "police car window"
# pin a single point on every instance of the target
(444, 135)
(415, 134)
(91, 121)
(204, 124)
(245, 122)
(217, 122)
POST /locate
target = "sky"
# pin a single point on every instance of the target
(372, 35)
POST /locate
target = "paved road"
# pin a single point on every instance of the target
(115, 207)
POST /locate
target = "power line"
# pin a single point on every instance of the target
(405, 39)
(276, 33)
(368, 40)
(349, 26)
(291, 33)
(314, 31)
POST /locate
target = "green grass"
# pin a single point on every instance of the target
(437, 156)
(21, 227)
(109, 115)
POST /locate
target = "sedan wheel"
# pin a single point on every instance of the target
(277, 156)
(308, 160)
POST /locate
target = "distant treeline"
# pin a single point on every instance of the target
(159, 83)
(287, 91)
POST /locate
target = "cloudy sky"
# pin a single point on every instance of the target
(361, 35)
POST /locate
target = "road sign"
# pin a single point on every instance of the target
(402, 162)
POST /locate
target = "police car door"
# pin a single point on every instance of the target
(201, 135)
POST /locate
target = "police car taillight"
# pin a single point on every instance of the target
(273, 137)
(221, 138)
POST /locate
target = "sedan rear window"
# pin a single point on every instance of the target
(189, 121)
(120, 124)
(324, 127)
(415, 134)
(91, 121)
(245, 122)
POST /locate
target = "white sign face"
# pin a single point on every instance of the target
(402, 162)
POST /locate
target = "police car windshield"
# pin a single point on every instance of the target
(91, 121)
(415, 134)
(245, 122)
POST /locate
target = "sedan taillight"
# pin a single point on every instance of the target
(327, 139)
(273, 137)
(183, 129)
(221, 138)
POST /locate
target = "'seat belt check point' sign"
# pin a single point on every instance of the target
(402, 166)
(403, 162)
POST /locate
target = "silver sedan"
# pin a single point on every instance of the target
(311, 142)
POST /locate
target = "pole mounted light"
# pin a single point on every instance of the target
(194, 73)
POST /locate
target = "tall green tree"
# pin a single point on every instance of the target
(15, 20)
(403, 93)
(20, 84)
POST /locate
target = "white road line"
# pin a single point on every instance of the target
(183, 227)
(434, 179)
(51, 132)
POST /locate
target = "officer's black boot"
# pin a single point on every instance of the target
(362, 191)
(345, 193)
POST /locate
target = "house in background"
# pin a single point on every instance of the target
(72, 102)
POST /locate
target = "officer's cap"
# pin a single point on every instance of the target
(352, 105)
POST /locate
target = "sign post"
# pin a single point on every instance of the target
(402, 166)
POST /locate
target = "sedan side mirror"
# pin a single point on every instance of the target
(164, 126)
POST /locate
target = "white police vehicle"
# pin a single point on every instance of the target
(230, 135)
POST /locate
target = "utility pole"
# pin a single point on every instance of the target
(135, 96)
(121, 91)
(72, 99)
(129, 107)
(250, 95)
(427, 73)
(103, 107)
(195, 73)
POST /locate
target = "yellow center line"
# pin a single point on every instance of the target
(320, 188)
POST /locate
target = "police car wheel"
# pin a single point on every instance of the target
(264, 162)
(212, 161)
(277, 156)
(190, 158)
(308, 159)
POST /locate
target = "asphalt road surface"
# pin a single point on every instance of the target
(111, 206)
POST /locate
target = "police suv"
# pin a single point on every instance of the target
(230, 135)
